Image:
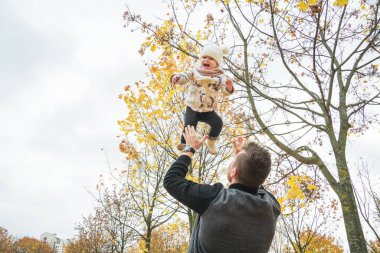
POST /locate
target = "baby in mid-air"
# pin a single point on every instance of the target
(206, 81)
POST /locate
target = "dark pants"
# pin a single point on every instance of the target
(192, 118)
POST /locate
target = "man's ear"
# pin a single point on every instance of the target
(234, 173)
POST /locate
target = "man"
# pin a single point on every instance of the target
(239, 219)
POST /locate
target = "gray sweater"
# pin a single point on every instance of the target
(238, 219)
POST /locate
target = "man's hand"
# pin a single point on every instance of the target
(229, 85)
(191, 138)
(238, 144)
(175, 79)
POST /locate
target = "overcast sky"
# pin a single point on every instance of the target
(62, 66)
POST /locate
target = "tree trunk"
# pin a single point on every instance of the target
(147, 241)
(351, 217)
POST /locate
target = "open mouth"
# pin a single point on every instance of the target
(206, 65)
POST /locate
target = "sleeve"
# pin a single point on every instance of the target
(197, 197)
(184, 77)
(224, 86)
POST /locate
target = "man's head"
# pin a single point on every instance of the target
(250, 167)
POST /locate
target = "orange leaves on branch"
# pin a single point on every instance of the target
(32, 245)
(153, 69)
(156, 106)
(6, 241)
(151, 105)
(158, 35)
(128, 149)
(169, 238)
(318, 242)
(164, 32)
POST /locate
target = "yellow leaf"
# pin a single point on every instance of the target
(312, 2)
(194, 179)
(153, 47)
(312, 187)
(340, 3)
(302, 6)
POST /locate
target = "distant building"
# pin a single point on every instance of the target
(55, 242)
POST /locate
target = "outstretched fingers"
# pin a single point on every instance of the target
(191, 138)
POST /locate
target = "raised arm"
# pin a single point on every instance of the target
(196, 196)
(227, 86)
(182, 78)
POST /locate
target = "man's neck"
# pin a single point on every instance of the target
(244, 188)
(235, 181)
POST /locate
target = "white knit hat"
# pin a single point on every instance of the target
(215, 52)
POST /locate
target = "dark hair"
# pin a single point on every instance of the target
(253, 165)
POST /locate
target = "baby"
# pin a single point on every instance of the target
(206, 81)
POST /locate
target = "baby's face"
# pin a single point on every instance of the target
(208, 62)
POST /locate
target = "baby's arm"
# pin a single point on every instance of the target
(182, 78)
(227, 86)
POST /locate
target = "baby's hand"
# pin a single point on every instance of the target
(175, 79)
(238, 144)
(229, 85)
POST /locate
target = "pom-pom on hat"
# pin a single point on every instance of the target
(215, 52)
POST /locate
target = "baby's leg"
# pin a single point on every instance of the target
(215, 122)
(191, 119)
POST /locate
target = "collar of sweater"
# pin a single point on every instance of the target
(209, 72)
(244, 188)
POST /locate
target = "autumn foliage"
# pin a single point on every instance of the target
(9, 244)
(170, 238)
(31, 245)
(6, 241)
(316, 243)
